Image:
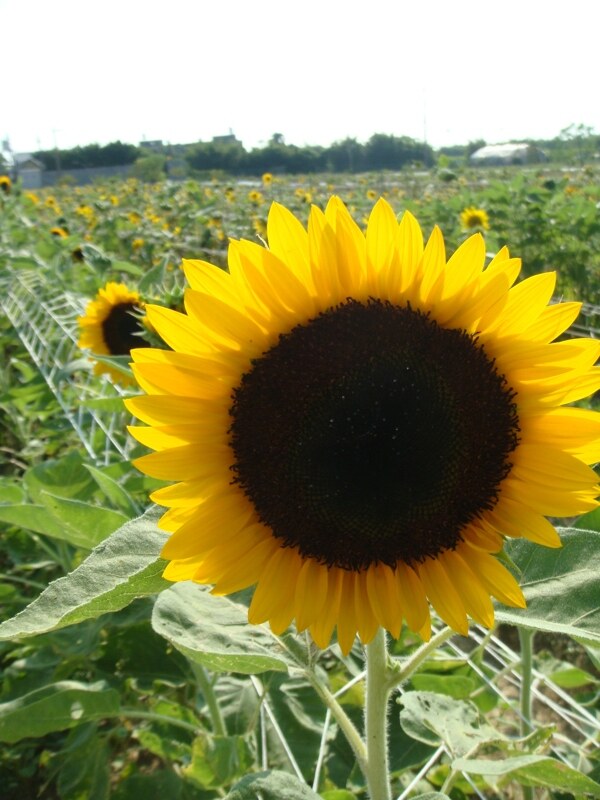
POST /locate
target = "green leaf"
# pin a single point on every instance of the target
(153, 277)
(572, 678)
(214, 631)
(128, 267)
(218, 760)
(121, 568)
(167, 748)
(272, 786)
(562, 586)
(56, 707)
(84, 525)
(32, 518)
(532, 770)
(85, 770)
(65, 477)
(436, 718)
(457, 686)
(160, 784)
(589, 521)
(338, 794)
(11, 493)
(114, 492)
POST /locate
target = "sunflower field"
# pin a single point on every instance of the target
(298, 487)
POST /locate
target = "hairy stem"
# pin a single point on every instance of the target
(376, 718)
(402, 671)
(343, 720)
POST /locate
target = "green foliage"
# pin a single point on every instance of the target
(150, 169)
(124, 567)
(116, 683)
(380, 152)
(114, 154)
(214, 632)
(56, 707)
(562, 586)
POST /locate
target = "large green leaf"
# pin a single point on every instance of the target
(121, 568)
(56, 707)
(271, 786)
(532, 770)
(436, 718)
(83, 525)
(214, 631)
(562, 586)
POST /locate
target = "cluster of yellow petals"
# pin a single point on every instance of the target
(233, 317)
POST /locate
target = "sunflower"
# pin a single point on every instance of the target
(111, 326)
(471, 218)
(5, 184)
(255, 197)
(58, 232)
(354, 424)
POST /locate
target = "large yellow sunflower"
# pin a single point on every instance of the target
(111, 326)
(354, 423)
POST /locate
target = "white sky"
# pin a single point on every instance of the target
(83, 71)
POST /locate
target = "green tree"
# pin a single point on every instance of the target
(150, 169)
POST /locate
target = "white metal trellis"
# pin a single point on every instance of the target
(501, 673)
(46, 322)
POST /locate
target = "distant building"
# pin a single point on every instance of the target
(509, 153)
(156, 145)
(229, 138)
(28, 170)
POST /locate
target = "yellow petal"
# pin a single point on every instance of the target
(474, 597)
(311, 593)
(412, 597)
(322, 628)
(442, 594)
(495, 578)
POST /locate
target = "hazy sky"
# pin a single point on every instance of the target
(82, 71)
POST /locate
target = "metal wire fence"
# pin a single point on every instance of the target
(46, 323)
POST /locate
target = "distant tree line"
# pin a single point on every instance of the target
(382, 151)
(115, 154)
(575, 144)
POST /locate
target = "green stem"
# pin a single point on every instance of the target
(210, 698)
(25, 581)
(343, 720)
(526, 642)
(401, 671)
(376, 718)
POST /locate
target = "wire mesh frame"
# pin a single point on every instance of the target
(46, 324)
(502, 663)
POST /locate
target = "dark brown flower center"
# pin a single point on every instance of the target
(372, 434)
(121, 329)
